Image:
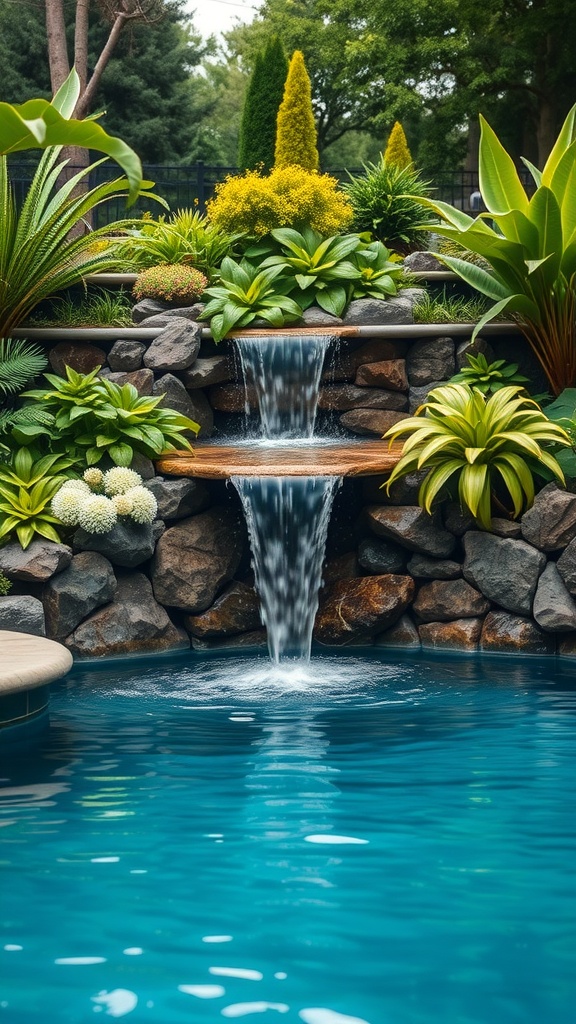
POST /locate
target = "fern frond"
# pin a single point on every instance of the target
(19, 363)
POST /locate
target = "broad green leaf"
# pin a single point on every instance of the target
(479, 278)
(564, 140)
(544, 213)
(500, 185)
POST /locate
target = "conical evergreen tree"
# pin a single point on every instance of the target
(263, 98)
(296, 131)
(397, 152)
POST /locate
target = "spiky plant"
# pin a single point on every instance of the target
(388, 201)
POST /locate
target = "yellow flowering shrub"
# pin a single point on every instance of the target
(288, 196)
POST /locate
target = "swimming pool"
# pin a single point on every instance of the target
(199, 840)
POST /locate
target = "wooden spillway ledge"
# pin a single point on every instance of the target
(219, 462)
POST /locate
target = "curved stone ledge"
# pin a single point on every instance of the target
(30, 661)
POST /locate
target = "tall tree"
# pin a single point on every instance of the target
(295, 130)
(263, 99)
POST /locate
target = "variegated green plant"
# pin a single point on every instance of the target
(318, 267)
(246, 293)
(380, 272)
(530, 246)
(27, 486)
(461, 437)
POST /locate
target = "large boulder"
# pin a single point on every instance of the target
(353, 609)
(342, 397)
(176, 347)
(22, 614)
(195, 405)
(504, 633)
(127, 544)
(363, 312)
(551, 522)
(388, 373)
(237, 610)
(79, 356)
(126, 355)
(134, 623)
(86, 584)
(205, 372)
(411, 527)
(195, 558)
(179, 497)
(41, 560)
(554, 609)
(146, 308)
(444, 600)
(371, 422)
(458, 635)
(506, 571)
(430, 359)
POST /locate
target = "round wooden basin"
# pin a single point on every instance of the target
(297, 458)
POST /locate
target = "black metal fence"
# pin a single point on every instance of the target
(184, 187)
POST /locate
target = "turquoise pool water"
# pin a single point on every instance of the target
(380, 843)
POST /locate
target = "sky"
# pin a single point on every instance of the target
(214, 16)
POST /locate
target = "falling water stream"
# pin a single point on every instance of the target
(287, 516)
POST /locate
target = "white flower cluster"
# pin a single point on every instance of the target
(95, 502)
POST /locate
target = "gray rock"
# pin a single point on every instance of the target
(314, 316)
(473, 348)
(411, 527)
(22, 615)
(126, 355)
(425, 568)
(456, 519)
(458, 635)
(444, 600)
(127, 544)
(423, 261)
(205, 372)
(164, 318)
(379, 557)
(551, 522)
(134, 623)
(402, 634)
(143, 465)
(176, 347)
(566, 566)
(417, 396)
(429, 360)
(158, 528)
(202, 412)
(146, 308)
(87, 583)
(366, 312)
(195, 405)
(506, 571)
(179, 497)
(342, 397)
(554, 609)
(41, 560)
(371, 422)
(506, 528)
(503, 633)
(195, 558)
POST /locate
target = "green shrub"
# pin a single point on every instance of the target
(295, 127)
(27, 485)
(186, 237)
(460, 436)
(287, 197)
(387, 200)
(246, 293)
(5, 584)
(397, 153)
(174, 283)
(488, 377)
(260, 113)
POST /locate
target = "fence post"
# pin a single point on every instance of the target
(201, 185)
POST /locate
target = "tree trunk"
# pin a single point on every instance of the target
(56, 36)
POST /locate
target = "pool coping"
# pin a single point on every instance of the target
(29, 661)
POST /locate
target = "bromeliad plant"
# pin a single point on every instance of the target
(246, 293)
(186, 237)
(530, 246)
(27, 486)
(92, 417)
(462, 438)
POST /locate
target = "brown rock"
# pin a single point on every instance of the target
(362, 607)
(402, 634)
(458, 635)
(237, 610)
(347, 361)
(371, 421)
(142, 380)
(132, 624)
(388, 373)
(410, 526)
(506, 633)
(41, 560)
(196, 557)
(231, 397)
(81, 357)
(341, 397)
(441, 600)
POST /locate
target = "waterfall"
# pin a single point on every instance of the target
(287, 521)
(284, 372)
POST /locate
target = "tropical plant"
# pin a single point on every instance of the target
(563, 412)
(38, 257)
(530, 245)
(450, 247)
(174, 283)
(20, 362)
(100, 309)
(318, 267)
(260, 112)
(397, 153)
(288, 197)
(488, 377)
(388, 201)
(448, 309)
(380, 274)
(186, 237)
(247, 293)
(27, 486)
(296, 137)
(93, 417)
(460, 436)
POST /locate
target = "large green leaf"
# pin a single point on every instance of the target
(479, 278)
(544, 213)
(500, 185)
(564, 140)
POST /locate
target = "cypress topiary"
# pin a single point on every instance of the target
(397, 153)
(264, 96)
(296, 131)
